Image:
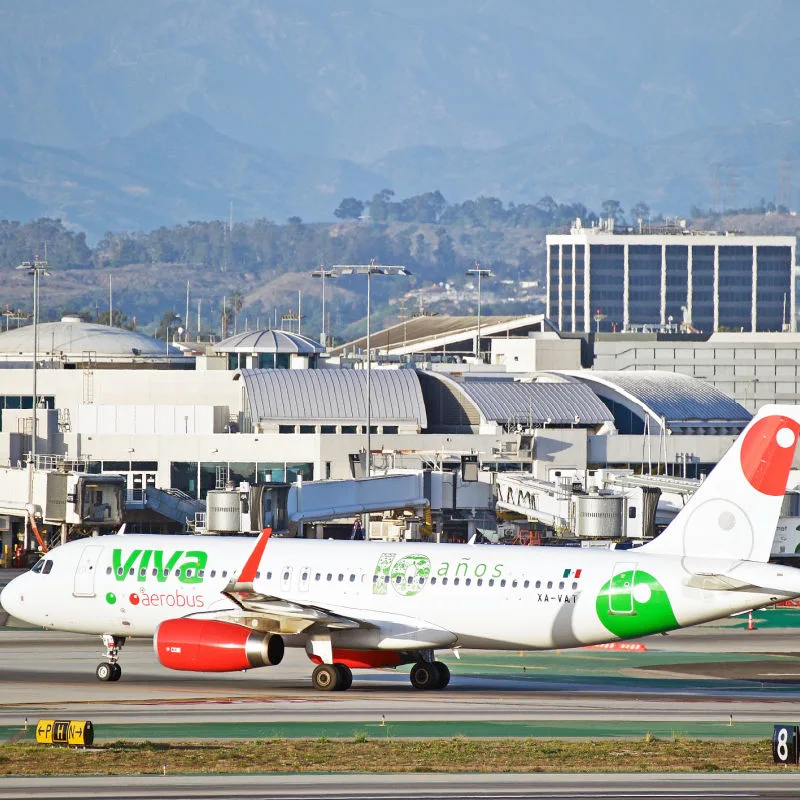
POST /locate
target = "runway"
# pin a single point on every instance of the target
(709, 681)
(411, 787)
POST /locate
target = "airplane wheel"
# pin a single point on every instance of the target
(345, 677)
(444, 674)
(325, 677)
(105, 671)
(424, 676)
(116, 672)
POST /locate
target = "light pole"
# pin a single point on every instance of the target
(323, 273)
(36, 268)
(369, 270)
(481, 273)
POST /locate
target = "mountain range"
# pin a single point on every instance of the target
(126, 115)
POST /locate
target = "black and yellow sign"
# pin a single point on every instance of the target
(79, 733)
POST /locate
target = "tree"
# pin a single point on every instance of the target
(379, 205)
(612, 209)
(170, 322)
(641, 211)
(236, 303)
(349, 208)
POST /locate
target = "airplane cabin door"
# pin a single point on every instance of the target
(620, 595)
(86, 570)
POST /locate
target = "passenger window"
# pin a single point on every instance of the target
(352, 578)
(433, 580)
(201, 573)
(177, 573)
(142, 572)
(526, 584)
(119, 569)
(131, 571)
(422, 580)
(286, 575)
(258, 573)
(503, 582)
(269, 575)
(213, 573)
(513, 584)
(224, 573)
(491, 581)
(304, 576)
(410, 579)
(48, 565)
(398, 579)
(341, 576)
(456, 581)
(386, 579)
(574, 584)
(538, 584)
(188, 573)
(108, 570)
(374, 578)
(561, 585)
(155, 572)
(444, 581)
(468, 581)
(317, 576)
(166, 572)
(549, 584)
(480, 581)
(330, 576)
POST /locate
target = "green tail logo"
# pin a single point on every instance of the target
(634, 603)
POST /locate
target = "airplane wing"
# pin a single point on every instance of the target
(279, 615)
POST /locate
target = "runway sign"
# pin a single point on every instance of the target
(784, 744)
(78, 733)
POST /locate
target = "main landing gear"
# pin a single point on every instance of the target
(110, 670)
(332, 677)
(428, 675)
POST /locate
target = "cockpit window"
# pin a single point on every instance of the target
(38, 566)
(48, 565)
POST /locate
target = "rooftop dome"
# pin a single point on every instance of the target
(269, 341)
(71, 339)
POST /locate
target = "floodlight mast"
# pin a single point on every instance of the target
(323, 273)
(37, 267)
(481, 272)
(369, 270)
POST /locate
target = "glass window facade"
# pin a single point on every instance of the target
(644, 284)
(774, 288)
(606, 285)
(196, 479)
(703, 288)
(565, 322)
(735, 288)
(579, 278)
(677, 257)
(552, 271)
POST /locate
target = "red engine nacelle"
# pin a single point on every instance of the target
(208, 645)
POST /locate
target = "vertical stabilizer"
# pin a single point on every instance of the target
(735, 511)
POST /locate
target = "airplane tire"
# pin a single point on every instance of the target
(325, 677)
(345, 677)
(425, 676)
(444, 674)
(104, 671)
(116, 672)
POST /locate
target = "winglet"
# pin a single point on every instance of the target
(250, 568)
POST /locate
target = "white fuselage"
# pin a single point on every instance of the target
(402, 595)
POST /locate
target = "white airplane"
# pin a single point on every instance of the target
(233, 603)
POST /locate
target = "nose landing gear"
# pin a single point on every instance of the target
(110, 670)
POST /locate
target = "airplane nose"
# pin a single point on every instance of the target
(12, 599)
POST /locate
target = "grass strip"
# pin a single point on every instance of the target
(365, 755)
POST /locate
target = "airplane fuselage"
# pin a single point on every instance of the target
(420, 595)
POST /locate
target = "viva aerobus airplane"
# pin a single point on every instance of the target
(233, 603)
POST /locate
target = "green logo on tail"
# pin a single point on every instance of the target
(634, 603)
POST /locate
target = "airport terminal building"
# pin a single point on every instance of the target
(606, 280)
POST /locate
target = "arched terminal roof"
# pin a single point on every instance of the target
(687, 404)
(539, 401)
(269, 341)
(333, 395)
(71, 338)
